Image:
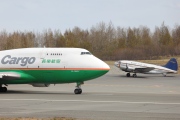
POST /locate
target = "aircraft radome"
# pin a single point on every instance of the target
(139, 67)
(41, 67)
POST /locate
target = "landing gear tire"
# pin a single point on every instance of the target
(164, 74)
(3, 89)
(134, 75)
(128, 74)
(78, 91)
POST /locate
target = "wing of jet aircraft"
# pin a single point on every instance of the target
(139, 67)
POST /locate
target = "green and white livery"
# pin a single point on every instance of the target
(41, 67)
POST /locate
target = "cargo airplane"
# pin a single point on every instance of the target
(139, 67)
(41, 67)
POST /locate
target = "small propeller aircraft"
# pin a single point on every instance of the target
(139, 67)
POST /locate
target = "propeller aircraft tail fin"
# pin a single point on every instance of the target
(172, 64)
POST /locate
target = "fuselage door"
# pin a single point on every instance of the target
(43, 53)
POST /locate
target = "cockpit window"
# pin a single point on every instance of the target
(85, 53)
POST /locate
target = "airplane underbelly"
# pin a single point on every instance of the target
(67, 76)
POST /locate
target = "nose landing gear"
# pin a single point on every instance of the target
(78, 89)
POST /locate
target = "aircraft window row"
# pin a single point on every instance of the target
(85, 53)
(55, 53)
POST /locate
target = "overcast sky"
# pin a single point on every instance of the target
(38, 15)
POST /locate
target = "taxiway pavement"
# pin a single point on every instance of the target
(110, 97)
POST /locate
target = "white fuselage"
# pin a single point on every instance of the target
(50, 58)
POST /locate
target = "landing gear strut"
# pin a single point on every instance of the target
(134, 75)
(78, 89)
(3, 89)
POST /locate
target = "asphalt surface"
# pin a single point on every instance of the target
(110, 97)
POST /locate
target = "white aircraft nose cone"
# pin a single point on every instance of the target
(106, 66)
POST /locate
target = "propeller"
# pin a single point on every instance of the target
(117, 64)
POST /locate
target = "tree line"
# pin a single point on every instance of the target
(103, 40)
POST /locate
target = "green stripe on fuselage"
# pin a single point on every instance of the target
(53, 76)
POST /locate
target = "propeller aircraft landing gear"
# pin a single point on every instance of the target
(3, 89)
(134, 75)
(164, 74)
(128, 74)
(78, 89)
